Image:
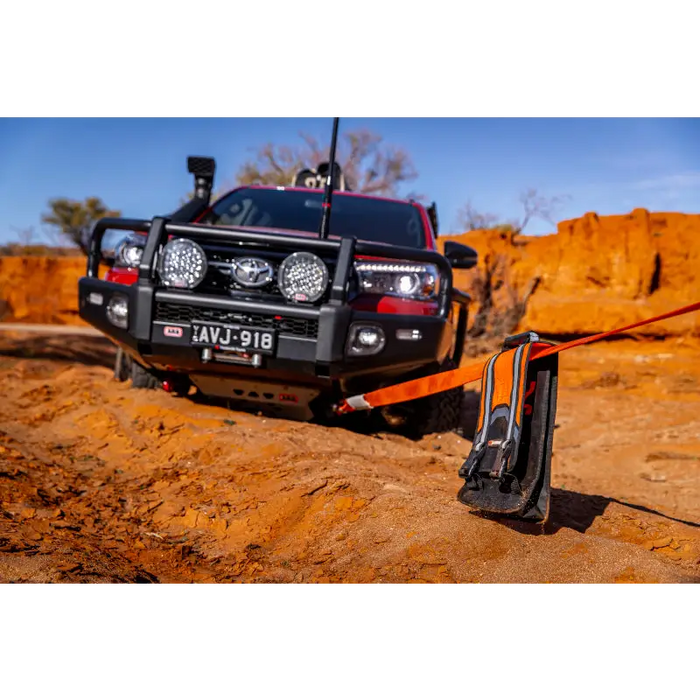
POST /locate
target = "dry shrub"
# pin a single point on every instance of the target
(499, 304)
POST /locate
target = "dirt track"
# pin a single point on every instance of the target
(99, 482)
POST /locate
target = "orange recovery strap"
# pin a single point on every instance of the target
(443, 381)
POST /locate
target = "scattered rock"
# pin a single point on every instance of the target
(662, 455)
(604, 381)
(653, 477)
(317, 487)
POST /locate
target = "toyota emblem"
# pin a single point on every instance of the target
(252, 272)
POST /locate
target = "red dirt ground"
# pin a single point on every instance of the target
(103, 483)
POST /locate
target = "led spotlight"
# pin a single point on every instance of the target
(182, 264)
(303, 277)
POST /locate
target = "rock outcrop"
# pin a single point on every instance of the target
(596, 273)
(40, 289)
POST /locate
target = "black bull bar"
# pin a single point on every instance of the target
(159, 230)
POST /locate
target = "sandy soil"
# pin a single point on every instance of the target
(103, 483)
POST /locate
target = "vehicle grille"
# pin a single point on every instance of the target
(181, 313)
(219, 278)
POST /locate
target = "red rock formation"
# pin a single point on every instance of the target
(597, 273)
(40, 290)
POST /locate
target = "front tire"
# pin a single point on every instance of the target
(437, 413)
(122, 366)
(141, 378)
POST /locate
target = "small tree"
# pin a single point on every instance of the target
(499, 304)
(534, 205)
(75, 220)
(472, 220)
(369, 166)
(25, 236)
(493, 320)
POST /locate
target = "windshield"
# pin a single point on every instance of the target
(383, 221)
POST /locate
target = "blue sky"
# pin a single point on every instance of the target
(139, 165)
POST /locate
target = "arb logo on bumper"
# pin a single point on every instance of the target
(173, 331)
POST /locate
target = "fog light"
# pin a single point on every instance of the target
(118, 311)
(368, 338)
(365, 339)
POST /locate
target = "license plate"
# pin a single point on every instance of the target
(237, 338)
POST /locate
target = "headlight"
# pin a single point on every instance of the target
(408, 280)
(182, 264)
(129, 252)
(303, 277)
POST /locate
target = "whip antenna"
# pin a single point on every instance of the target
(328, 192)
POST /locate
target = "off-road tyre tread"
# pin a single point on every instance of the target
(141, 378)
(437, 413)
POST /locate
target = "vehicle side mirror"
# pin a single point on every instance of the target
(461, 257)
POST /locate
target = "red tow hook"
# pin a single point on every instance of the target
(167, 385)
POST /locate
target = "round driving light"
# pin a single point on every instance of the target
(303, 277)
(183, 264)
(118, 311)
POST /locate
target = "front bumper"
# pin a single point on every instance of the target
(311, 345)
